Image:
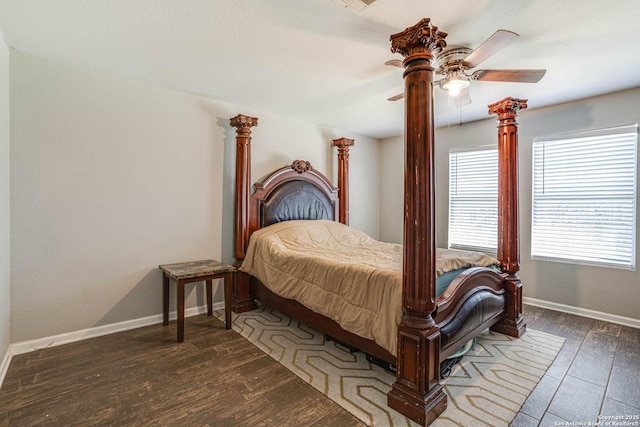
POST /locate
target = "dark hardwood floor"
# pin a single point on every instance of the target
(142, 377)
(597, 373)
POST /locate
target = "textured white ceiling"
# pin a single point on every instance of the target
(320, 61)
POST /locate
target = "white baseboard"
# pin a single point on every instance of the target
(584, 312)
(4, 365)
(69, 337)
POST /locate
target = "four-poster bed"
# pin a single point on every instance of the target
(431, 327)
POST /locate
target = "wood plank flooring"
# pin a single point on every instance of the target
(143, 377)
(597, 372)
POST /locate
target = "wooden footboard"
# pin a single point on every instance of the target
(473, 302)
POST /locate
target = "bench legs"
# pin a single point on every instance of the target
(228, 286)
(229, 280)
(180, 313)
(209, 298)
(165, 300)
(180, 305)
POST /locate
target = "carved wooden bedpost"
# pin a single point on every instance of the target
(508, 224)
(241, 300)
(343, 145)
(417, 392)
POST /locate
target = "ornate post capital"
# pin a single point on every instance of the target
(508, 108)
(243, 123)
(343, 144)
(422, 39)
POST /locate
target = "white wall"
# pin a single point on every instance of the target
(5, 289)
(111, 177)
(608, 290)
(392, 190)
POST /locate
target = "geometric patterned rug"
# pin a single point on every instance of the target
(487, 388)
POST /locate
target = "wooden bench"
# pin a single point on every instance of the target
(195, 271)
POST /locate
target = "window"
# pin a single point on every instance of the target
(584, 197)
(473, 199)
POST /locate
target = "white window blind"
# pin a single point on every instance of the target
(473, 199)
(584, 197)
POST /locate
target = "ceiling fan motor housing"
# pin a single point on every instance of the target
(451, 59)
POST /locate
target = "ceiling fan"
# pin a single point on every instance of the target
(454, 64)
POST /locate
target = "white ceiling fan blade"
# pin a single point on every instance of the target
(518, 76)
(396, 97)
(498, 41)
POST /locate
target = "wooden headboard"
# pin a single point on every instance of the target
(292, 192)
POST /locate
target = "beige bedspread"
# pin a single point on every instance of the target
(342, 273)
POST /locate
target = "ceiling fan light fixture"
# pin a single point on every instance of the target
(455, 61)
(455, 83)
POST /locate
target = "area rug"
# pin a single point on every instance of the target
(487, 388)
